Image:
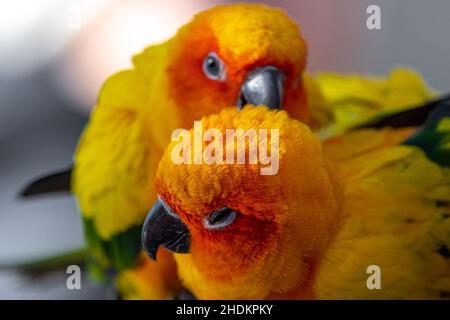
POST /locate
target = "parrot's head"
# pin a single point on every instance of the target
(235, 55)
(248, 234)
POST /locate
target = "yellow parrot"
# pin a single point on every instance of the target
(227, 55)
(316, 228)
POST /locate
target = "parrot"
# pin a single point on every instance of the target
(234, 54)
(371, 199)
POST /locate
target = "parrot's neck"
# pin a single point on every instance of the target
(320, 220)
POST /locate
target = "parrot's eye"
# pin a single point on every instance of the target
(213, 67)
(220, 218)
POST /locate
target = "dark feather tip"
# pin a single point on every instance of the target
(414, 116)
(55, 182)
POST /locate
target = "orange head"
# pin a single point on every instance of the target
(249, 234)
(234, 55)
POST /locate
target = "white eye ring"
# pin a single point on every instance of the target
(213, 67)
(219, 219)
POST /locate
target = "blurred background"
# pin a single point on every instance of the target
(55, 54)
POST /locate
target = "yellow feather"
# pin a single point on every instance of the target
(391, 196)
(353, 99)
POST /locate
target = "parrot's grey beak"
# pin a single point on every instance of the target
(263, 86)
(164, 229)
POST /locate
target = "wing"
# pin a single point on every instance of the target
(354, 100)
(115, 163)
(398, 205)
(434, 136)
(114, 168)
(416, 116)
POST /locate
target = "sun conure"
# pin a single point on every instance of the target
(228, 55)
(333, 211)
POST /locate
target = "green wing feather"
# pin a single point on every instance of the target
(434, 136)
(433, 122)
(114, 255)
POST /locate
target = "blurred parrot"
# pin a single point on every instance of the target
(228, 55)
(335, 208)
